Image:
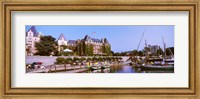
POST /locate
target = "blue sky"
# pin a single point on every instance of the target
(122, 38)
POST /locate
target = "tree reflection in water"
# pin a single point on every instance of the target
(127, 69)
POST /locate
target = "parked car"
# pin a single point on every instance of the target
(36, 65)
(28, 66)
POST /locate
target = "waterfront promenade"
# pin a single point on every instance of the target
(58, 68)
(64, 68)
(49, 65)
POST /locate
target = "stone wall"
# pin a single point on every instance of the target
(48, 60)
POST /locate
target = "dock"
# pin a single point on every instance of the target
(58, 68)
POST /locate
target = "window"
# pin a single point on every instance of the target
(30, 34)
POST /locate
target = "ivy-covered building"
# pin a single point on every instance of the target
(87, 46)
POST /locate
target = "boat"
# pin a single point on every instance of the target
(96, 71)
(105, 66)
(108, 66)
(158, 63)
(149, 67)
(137, 65)
(155, 66)
(169, 61)
(95, 67)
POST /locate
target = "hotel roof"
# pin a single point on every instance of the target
(33, 29)
(87, 38)
(62, 36)
(72, 41)
(96, 40)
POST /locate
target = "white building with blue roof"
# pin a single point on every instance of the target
(32, 36)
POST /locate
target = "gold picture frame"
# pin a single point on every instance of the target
(87, 5)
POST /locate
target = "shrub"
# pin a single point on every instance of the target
(108, 58)
(68, 60)
(89, 59)
(68, 53)
(94, 58)
(76, 59)
(105, 58)
(83, 58)
(60, 60)
(100, 59)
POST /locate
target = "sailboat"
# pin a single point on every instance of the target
(134, 59)
(157, 63)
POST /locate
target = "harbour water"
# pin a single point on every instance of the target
(127, 69)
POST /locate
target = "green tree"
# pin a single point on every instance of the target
(95, 59)
(88, 50)
(46, 46)
(112, 53)
(89, 59)
(60, 60)
(117, 54)
(159, 52)
(100, 59)
(91, 50)
(68, 60)
(76, 59)
(28, 50)
(83, 59)
(62, 47)
(106, 49)
(170, 51)
(135, 52)
(140, 53)
(80, 48)
(85, 49)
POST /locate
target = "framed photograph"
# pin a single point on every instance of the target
(99, 48)
(102, 54)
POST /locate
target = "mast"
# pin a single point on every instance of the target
(146, 53)
(140, 40)
(171, 53)
(164, 47)
(139, 43)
